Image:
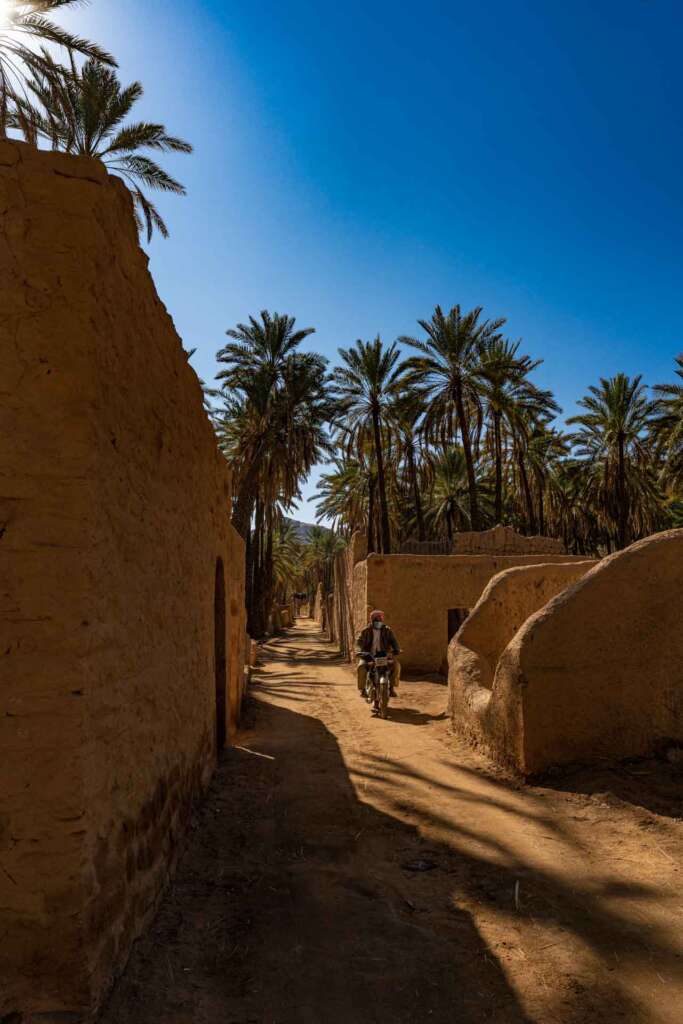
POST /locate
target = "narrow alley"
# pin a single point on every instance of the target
(347, 870)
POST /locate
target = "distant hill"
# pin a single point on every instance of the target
(303, 530)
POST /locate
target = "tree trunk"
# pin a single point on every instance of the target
(416, 496)
(531, 516)
(268, 568)
(499, 467)
(371, 514)
(541, 509)
(257, 600)
(383, 507)
(469, 461)
(623, 518)
(246, 497)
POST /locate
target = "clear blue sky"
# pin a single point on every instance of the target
(358, 163)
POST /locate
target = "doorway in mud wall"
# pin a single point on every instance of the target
(220, 655)
(456, 617)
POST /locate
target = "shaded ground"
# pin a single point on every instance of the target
(295, 901)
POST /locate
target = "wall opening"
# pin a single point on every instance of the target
(456, 617)
(220, 655)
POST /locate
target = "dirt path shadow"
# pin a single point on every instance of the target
(351, 871)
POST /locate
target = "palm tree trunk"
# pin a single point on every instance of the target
(531, 516)
(622, 495)
(246, 497)
(416, 496)
(383, 507)
(469, 461)
(257, 602)
(541, 509)
(499, 467)
(268, 589)
(371, 513)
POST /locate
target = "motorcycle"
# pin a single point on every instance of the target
(378, 682)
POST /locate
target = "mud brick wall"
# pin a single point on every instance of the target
(597, 672)
(507, 602)
(416, 593)
(114, 528)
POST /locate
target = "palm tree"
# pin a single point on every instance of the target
(272, 430)
(667, 428)
(256, 362)
(320, 551)
(405, 414)
(611, 439)
(342, 495)
(84, 112)
(25, 25)
(512, 401)
(259, 347)
(449, 508)
(287, 560)
(545, 447)
(448, 372)
(365, 386)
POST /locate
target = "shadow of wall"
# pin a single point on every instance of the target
(288, 861)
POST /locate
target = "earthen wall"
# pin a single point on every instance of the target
(114, 515)
(416, 593)
(597, 673)
(473, 655)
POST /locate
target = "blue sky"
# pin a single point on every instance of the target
(358, 163)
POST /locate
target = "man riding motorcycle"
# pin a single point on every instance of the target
(377, 636)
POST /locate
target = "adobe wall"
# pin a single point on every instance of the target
(114, 511)
(416, 592)
(237, 623)
(598, 671)
(473, 654)
(503, 540)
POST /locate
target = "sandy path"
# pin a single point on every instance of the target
(294, 902)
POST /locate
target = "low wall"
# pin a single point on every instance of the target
(506, 603)
(596, 672)
(121, 586)
(416, 593)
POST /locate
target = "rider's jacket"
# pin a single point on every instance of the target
(387, 640)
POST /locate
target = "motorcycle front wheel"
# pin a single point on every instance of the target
(383, 697)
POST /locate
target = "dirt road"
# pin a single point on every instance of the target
(299, 899)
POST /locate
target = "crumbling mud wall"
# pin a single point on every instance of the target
(417, 593)
(598, 671)
(473, 654)
(503, 540)
(121, 586)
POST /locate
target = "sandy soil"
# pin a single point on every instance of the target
(299, 900)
